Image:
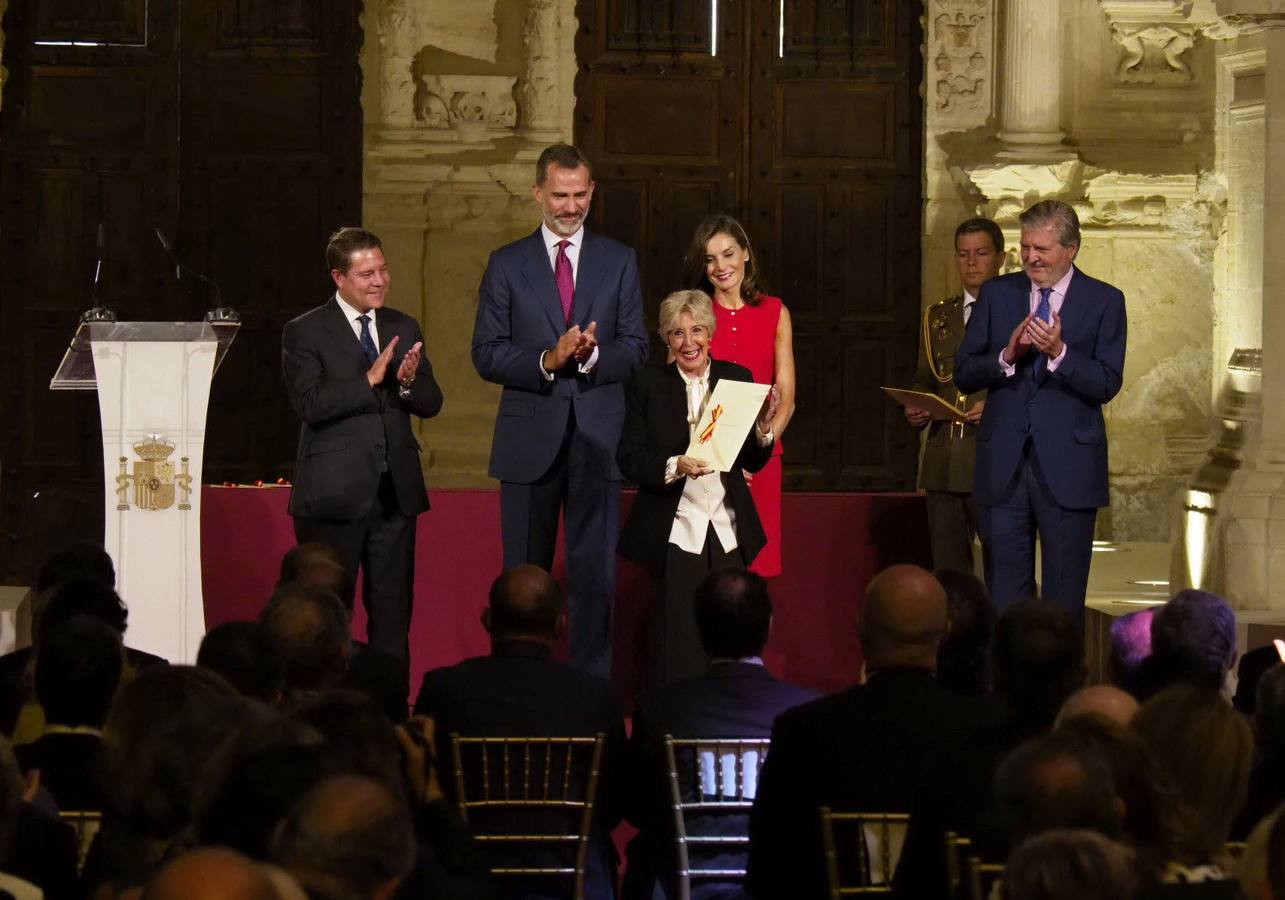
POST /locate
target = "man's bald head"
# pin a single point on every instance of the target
(350, 836)
(525, 602)
(904, 618)
(211, 873)
(1102, 700)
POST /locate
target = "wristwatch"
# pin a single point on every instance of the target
(403, 388)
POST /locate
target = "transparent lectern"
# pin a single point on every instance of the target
(153, 382)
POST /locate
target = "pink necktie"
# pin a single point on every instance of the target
(566, 283)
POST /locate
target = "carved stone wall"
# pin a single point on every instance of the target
(460, 97)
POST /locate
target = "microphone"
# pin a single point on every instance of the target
(217, 312)
(96, 312)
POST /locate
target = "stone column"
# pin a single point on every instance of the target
(398, 42)
(1031, 104)
(539, 90)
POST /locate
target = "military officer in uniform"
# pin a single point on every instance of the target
(946, 472)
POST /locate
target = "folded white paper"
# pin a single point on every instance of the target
(729, 415)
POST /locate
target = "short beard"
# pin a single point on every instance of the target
(557, 227)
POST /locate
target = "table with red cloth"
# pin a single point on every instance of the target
(836, 543)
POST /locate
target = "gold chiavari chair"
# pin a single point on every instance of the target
(861, 850)
(86, 823)
(549, 784)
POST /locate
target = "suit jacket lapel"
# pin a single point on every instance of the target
(1073, 311)
(675, 399)
(342, 330)
(589, 273)
(539, 276)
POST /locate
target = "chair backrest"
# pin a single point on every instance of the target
(518, 776)
(86, 824)
(712, 785)
(956, 847)
(861, 850)
(982, 877)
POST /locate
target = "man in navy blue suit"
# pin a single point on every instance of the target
(1048, 345)
(559, 325)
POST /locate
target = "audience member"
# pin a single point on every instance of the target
(161, 731)
(11, 824)
(1100, 699)
(310, 627)
(1253, 868)
(1193, 641)
(379, 674)
(1204, 748)
(1070, 864)
(736, 697)
(521, 690)
(1046, 783)
(1149, 821)
(247, 657)
(963, 662)
(1253, 665)
(1037, 660)
(350, 838)
(250, 785)
(211, 873)
(865, 748)
(77, 671)
(1276, 860)
(1267, 777)
(1130, 645)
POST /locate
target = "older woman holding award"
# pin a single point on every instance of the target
(693, 514)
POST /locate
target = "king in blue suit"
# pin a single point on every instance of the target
(1048, 345)
(559, 325)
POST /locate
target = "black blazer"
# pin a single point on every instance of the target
(345, 421)
(655, 429)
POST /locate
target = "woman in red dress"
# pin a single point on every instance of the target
(753, 330)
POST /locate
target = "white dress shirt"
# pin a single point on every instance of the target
(704, 500)
(969, 301)
(353, 314)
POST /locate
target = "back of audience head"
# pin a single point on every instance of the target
(963, 662)
(1148, 822)
(1251, 668)
(256, 778)
(318, 565)
(1204, 748)
(1193, 638)
(81, 561)
(1276, 858)
(163, 727)
(1103, 700)
(310, 627)
(1253, 867)
(78, 666)
(903, 619)
(1269, 711)
(211, 873)
(245, 654)
(1130, 644)
(83, 598)
(359, 737)
(733, 614)
(1038, 656)
(1070, 864)
(1050, 782)
(350, 838)
(525, 603)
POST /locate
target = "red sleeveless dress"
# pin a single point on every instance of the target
(747, 336)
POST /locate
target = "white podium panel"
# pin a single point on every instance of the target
(153, 383)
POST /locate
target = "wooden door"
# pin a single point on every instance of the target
(235, 128)
(803, 119)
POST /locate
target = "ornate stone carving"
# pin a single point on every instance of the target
(399, 41)
(1153, 36)
(961, 48)
(474, 107)
(540, 88)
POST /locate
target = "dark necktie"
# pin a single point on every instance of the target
(368, 342)
(566, 281)
(372, 353)
(1043, 312)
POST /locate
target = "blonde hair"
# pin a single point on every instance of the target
(695, 303)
